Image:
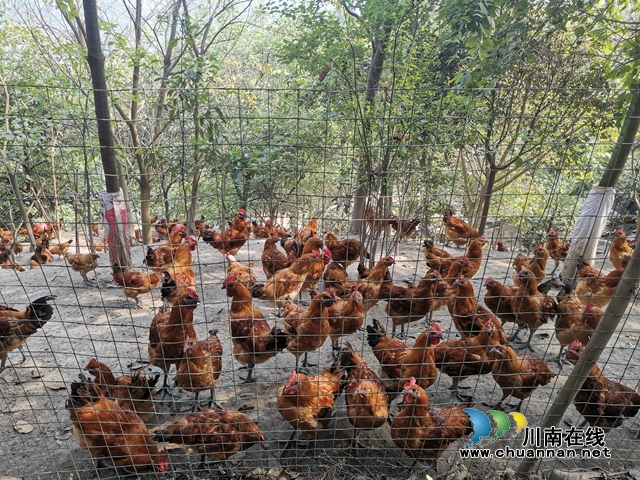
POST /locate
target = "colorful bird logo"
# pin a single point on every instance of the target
(482, 424)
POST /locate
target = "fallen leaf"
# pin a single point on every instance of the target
(22, 427)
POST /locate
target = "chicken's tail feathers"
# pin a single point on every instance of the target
(160, 435)
(375, 333)
(277, 340)
(40, 312)
(257, 290)
(82, 393)
(346, 354)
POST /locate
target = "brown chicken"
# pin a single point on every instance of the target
(162, 229)
(344, 252)
(312, 243)
(365, 396)
(345, 317)
(111, 433)
(131, 392)
(287, 283)
(496, 298)
(620, 252)
(306, 402)
(307, 328)
(62, 249)
(95, 229)
(501, 247)
(407, 227)
(457, 229)
(406, 304)
(136, 283)
(232, 239)
(164, 256)
(426, 433)
(431, 252)
(530, 307)
(307, 232)
(602, 402)
(8, 264)
(265, 231)
(83, 263)
(464, 357)
(469, 317)
(253, 340)
(100, 246)
(595, 286)
(315, 270)
(168, 332)
(446, 291)
(473, 255)
(243, 273)
(399, 362)
(16, 326)
(557, 249)
(42, 256)
(199, 226)
(571, 322)
(200, 367)
(537, 264)
(216, 434)
(371, 286)
(335, 276)
(518, 376)
(17, 248)
(273, 259)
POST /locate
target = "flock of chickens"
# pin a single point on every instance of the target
(109, 413)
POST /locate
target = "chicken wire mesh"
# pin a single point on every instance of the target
(259, 150)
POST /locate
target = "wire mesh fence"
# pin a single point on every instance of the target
(259, 150)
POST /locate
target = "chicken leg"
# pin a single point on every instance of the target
(165, 388)
(249, 378)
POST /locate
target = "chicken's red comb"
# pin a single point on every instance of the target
(179, 227)
(327, 252)
(192, 292)
(410, 384)
(186, 339)
(292, 377)
(522, 268)
(488, 280)
(190, 239)
(231, 279)
(575, 344)
(242, 211)
(538, 247)
(316, 252)
(435, 327)
(589, 307)
(91, 362)
(489, 324)
(436, 274)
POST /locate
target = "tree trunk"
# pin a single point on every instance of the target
(119, 252)
(373, 80)
(486, 200)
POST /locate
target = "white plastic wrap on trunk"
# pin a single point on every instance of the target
(588, 228)
(114, 217)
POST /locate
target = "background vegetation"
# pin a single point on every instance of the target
(503, 110)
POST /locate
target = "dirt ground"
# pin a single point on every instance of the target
(100, 322)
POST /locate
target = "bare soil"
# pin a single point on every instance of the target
(100, 322)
